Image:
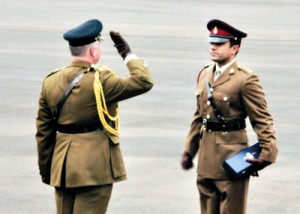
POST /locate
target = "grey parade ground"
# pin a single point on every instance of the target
(172, 37)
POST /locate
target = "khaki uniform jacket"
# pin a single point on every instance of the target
(238, 95)
(92, 158)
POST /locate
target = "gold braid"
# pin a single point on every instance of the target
(102, 109)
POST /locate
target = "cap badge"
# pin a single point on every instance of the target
(215, 31)
(99, 38)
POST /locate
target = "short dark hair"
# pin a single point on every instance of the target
(235, 42)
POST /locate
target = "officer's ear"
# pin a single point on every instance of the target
(92, 51)
(235, 49)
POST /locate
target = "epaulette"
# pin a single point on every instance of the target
(244, 68)
(55, 71)
(199, 74)
(102, 68)
(207, 65)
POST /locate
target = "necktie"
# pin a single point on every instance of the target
(217, 74)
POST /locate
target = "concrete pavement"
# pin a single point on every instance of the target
(171, 35)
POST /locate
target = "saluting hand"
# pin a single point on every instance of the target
(120, 43)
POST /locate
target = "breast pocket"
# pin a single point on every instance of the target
(226, 102)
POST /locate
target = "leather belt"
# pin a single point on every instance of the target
(224, 126)
(75, 129)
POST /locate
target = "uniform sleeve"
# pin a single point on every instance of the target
(140, 81)
(256, 106)
(45, 137)
(192, 142)
(194, 135)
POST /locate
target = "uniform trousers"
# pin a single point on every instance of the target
(223, 196)
(83, 200)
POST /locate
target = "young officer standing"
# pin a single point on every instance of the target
(218, 126)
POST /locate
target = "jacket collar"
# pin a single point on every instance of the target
(225, 76)
(79, 64)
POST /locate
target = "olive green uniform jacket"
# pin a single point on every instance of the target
(92, 158)
(238, 95)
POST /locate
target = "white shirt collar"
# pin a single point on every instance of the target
(224, 67)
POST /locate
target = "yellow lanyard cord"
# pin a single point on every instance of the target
(102, 109)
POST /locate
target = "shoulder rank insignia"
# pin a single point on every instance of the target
(244, 68)
(101, 68)
(55, 71)
(200, 72)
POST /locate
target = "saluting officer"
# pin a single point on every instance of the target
(218, 129)
(78, 121)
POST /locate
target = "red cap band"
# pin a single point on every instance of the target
(220, 32)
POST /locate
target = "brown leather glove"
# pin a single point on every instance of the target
(186, 161)
(258, 164)
(46, 180)
(121, 45)
(45, 176)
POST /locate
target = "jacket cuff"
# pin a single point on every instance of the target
(130, 57)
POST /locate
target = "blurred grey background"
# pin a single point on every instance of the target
(171, 36)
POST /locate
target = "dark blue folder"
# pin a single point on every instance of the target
(237, 164)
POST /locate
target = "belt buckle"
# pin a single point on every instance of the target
(224, 132)
(225, 127)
